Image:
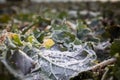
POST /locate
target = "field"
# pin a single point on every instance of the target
(60, 41)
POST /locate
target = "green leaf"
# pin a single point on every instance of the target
(81, 33)
(16, 39)
(30, 39)
(33, 40)
(63, 37)
(82, 30)
(62, 27)
(27, 28)
(43, 21)
(39, 35)
(63, 15)
(77, 41)
(115, 47)
(25, 17)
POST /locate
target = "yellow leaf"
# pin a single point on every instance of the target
(48, 43)
(30, 39)
(16, 39)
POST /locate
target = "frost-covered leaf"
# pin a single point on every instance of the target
(77, 41)
(82, 30)
(23, 62)
(62, 65)
(10, 44)
(63, 36)
(85, 33)
(62, 27)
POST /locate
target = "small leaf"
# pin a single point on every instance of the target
(77, 41)
(48, 43)
(32, 39)
(63, 15)
(16, 39)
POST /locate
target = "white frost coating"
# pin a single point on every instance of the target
(62, 65)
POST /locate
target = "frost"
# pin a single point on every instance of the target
(62, 65)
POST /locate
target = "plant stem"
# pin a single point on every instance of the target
(103, 64)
